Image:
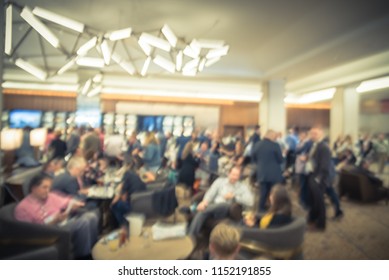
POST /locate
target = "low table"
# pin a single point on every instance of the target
(140, 248)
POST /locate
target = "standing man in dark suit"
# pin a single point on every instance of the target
(268, 159)
(318, 167)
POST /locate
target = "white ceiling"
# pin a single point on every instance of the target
(311, 44)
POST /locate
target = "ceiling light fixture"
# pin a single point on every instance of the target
(119, 34)
(90, 62)
(211, 61)
(86, 86)
(210, 44)
(202, 64)
(373, 84)
(94, 91)
(8, 30)
(169, 35)
(217, 52)
(126, 65)
(321, 95)
(106, 52)
(32, 69)
(84, 49)
(179, 60)
(189, 51)
(146, 66)
(193, 64)
(35, 23)
(145, 47)
(155, 41)
(165, 64)
(67, 66)
(58, 19)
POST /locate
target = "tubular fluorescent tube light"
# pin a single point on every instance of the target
(217, 52)
(106, 52)
(35, 23)
(87, 46)
(164, 63)
(146, 66)
(210, 44)
(202, 64)
(8, 31)
(155, 41)
(189, 72)
(95, 91)
(86, 86)
(188, 51)
(145, 47)
(128, 66)
(317, 96)
(191, 64)
(373, 84)
(40, 86)
(179, 59)
(90, 62)
(32, 69)
(119, 34)
(67, 66)
(61, 20)
(195, 46)
(211, 61)
(97, 78)
(169, 35)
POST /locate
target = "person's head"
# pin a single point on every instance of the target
(271, 135)
(316, 134)
(204, 146)
(224, 242)
(280, 200)
(188, 149)
(40, 186)
(234, 174)
(76, 166)
(150, 138)
(58, 134)
(53, 165)
(257, 128)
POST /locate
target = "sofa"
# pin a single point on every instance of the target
(361, 186)
(22, 240)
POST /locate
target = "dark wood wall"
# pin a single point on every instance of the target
(45, 103)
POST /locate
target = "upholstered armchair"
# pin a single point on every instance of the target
(21, 240)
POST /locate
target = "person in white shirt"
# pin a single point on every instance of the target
(218, 199)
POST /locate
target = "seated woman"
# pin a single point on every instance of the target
(279, 213)
(131, 183)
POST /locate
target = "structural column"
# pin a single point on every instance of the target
(272, 112)
(344, 115)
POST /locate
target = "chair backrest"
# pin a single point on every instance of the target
(288, 237)
(30, 235)
(160, 202)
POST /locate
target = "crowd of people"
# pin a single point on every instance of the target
(226, 169)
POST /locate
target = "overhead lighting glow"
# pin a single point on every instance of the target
(94, 91)
(58, 19)
(217, 52)
(119, 34)
(35, 23)
(126, 65)
(321, 95)
(191, 64)
(179, 59)
(145, 47)
(373, 84)
(8, 30)
(146, 66)
(84, 49)
(67, 66)
(90, 62)
(106, 52)
(98, 78)
(211, 61)
(165, 64)
(32, 69)
(40, 86)
(169, 35)
(191, 72)
(210, 44)
(202, 64)
(155, 41)
(189, 51)
(86, 86)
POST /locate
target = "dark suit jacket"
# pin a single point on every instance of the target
(268, 158)
(322, 164)
(67, 184)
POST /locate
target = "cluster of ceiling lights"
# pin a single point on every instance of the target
(166, 50)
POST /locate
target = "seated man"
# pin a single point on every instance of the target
(218, 199)
(223, 243)
(44, 207)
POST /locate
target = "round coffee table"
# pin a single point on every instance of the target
(141, 248)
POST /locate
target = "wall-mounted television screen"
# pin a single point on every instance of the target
(88, 118)
(150, 123)
(20, 118)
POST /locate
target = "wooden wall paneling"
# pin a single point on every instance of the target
(306, 118)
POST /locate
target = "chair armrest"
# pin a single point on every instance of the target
(258, 248)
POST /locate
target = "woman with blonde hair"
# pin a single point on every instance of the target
(151, 153)
(186, 174)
